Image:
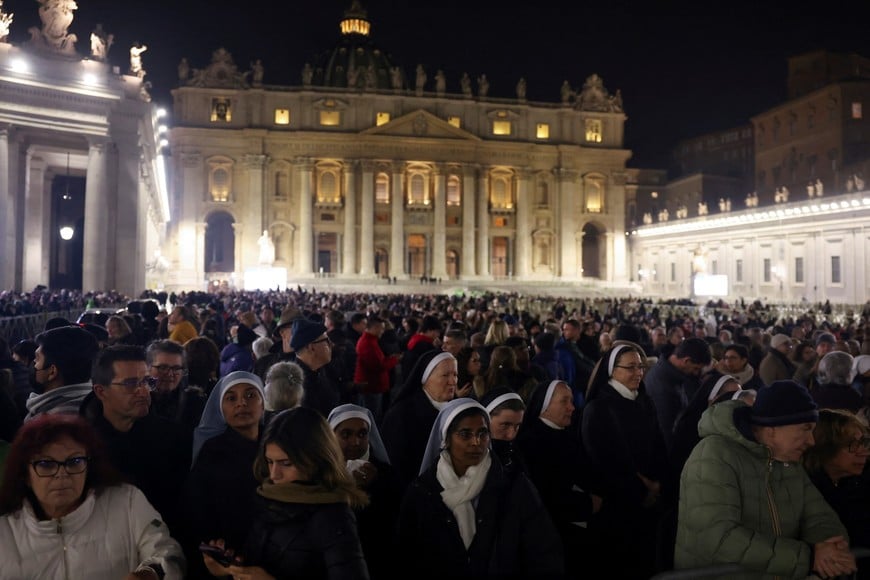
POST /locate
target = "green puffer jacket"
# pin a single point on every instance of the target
(738, 505)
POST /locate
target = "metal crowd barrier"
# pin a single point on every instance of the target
(17, 328)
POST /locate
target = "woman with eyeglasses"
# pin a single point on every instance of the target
(465, 516)
(219, 491)
(836, 465)
(622, 439)
(65, 513)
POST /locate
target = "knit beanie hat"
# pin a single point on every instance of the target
(783, 403)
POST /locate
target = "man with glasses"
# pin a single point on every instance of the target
(62, 370)
(172, 399)
(153, 453)
(313, 351)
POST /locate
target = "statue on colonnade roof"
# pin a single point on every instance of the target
(221, 72)
(594, 97)
(5, 23)
(56, 16)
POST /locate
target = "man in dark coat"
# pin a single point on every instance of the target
(834, 390)
(312, 350)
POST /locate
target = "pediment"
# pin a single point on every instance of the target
(423, 124)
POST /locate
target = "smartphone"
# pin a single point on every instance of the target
(220, 556)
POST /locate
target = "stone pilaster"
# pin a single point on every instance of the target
(483, 250)
(397, 229)
(96, 219)
(523, 242)
(36, 223)
(255, 169)
(439, 239)
(367, 221)
(467, 269)
(568, 195)
(305, 171)
(348, 257)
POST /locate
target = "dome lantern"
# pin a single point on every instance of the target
(355, 20)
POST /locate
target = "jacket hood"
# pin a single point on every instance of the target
(723, 419)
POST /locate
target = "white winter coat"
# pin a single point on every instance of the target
(111, 534)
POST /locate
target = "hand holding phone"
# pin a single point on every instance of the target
(219, 555)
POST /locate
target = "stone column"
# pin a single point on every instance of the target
(305, 168)
(130, 223)
(611, 240)
(523, 242)
(37, 220)
(199, 252)
(255, 168)
(439, 241)
(568, 196)
(348, 257)
(96, 219)
(581, 273)
(238, 275)
(483, 253)
(367, 221)
(7, 221)
(466, 269)
(189, 257)
(397, 229)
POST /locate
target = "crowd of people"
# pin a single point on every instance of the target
(325, 435)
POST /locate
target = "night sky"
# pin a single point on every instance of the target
(683, 68)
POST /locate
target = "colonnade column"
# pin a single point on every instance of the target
(255, 166)
(367, 221)
(567, 223)
(199, 251)
(7, 222)
(96, 219)
(305, 170)
(36, 222)
(397, 229)
(439, 240)
(483, 253)
(349, 242)
(611, 239)
(467, 266)
(523, 241)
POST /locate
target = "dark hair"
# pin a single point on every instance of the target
(310, 443)
(357, 317)
(545, 341)
(430, 323)
(166, 347)
(35, 435)
(831, 434)
(695, 349)
(456, 333)
(203, 361)
(741, 350)
(374, 320)
(103, 371)
(25, 349)
(71, 349)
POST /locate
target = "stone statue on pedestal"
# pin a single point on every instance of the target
(267, 249)
(465, 83)
(5, 23)
(396, 78)
(56, 16)
(183, 71)
(440, 82)
(521, 89)
(820, 188)
(420, 82)
(136, 59)
(307, 75)
(482, 85)
(565, 92)
(257, 73)
(100, 43)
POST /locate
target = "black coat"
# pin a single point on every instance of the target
(377, 521)
(311, 541)
(514, 535)
(320, 394)
(850, 498)
(405, 431)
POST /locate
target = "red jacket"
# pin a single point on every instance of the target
(372, 366)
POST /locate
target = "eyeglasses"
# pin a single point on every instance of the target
(149, 383)
(50, 467)
(859, 445)
(480, 435)
(168, 370)
(632, 368)
(324, 339)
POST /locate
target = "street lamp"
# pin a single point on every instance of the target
(67, 233)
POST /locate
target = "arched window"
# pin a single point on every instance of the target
(282, 183)
(220, 179)
(594, 190)
(418, 190)
(542, 194)
(500, 196)
(328, 190)
(454, 196)
(382, 188)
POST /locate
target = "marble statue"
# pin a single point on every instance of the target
(820, 188)
(136, 59)
(811, 189)
(702, 208)
(850, 183)
(257, 73)
(267, 249)
(307, 75)
(616, 102)
(5, 23)
(859, 183)
(566, 93)
(396, 78)
(440, 82)
(721, 204)
(100, 43)
(353, 77)
(482, 85)
(465, 83)
(183, 70)
(664, 215)
(420, 81)
(521, 89)
(56, 17)
(371, 77)
(647, 218)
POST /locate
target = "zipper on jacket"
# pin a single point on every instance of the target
(63, 546)
(771, 505)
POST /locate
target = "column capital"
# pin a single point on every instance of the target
(253, 161)
(367, 165)
(191, 160)
(523, 173)
(97, 142)
(304, 163)
(564, 174)
(470, 169)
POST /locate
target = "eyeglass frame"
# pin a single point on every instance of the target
(325, 339)
(479, 436)
(170, 370)
(57, 465)
(149, 382)
(632, 368)
(858, 445)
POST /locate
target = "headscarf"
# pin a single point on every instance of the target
(603, 370)
(495, 397)
(414, 382)
(717, 386)
(348, 411)
(213, 422)
(459, 492)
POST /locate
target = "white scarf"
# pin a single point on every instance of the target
(623, 390)
(459, 492)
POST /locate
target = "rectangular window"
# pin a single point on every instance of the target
(282, 116)
(500, 222)
(455, 121)
(382, 119)
(501, 127)
(799, 270)
(221, 111)
(738, 271)
(330, 118)
(543, 131)
(857, 111)
(714, 267)
(673, 271)
(593, 131)
(766, 267)
(836, 276)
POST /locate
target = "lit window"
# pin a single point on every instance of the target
(330, 118)
(594, 197)
(382, 188)
(593, 131)
(455, 121)
(382, 119)
(282, 116)
(221, 110)
(857, 111)
(500, 194)
(220, 181)
(501, 127)
(454, 197)
(328, 190)
(418, 191)
(543, 131)
(501, 222)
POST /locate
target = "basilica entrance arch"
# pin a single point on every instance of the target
(382, 263)
(220, 243)
(594, 251)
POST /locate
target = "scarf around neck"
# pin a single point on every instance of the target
(296, 492)
(459, 492)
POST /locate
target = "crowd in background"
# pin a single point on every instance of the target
(483, 435)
